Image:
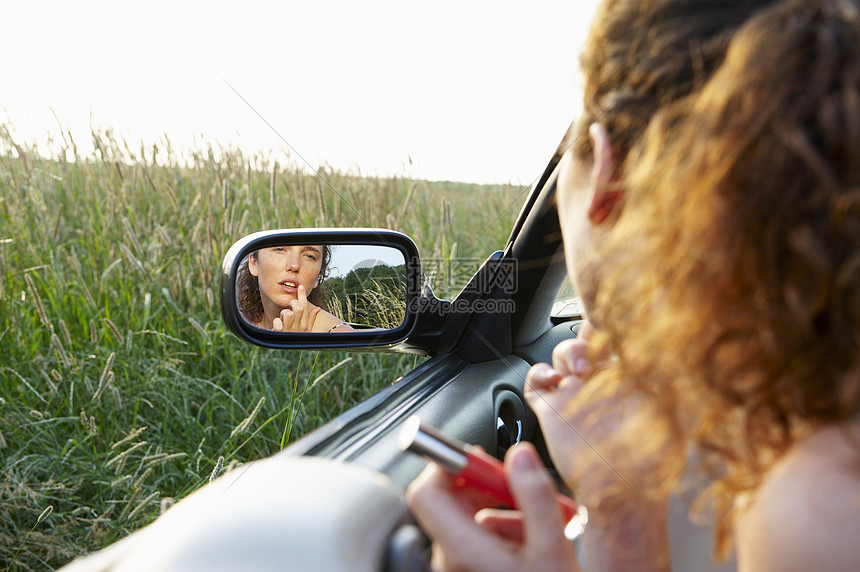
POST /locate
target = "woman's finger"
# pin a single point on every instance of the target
(287, 318)
(302, 294)
(534, 491)
(299, 319)
(554, 398)
(303, 303)
(570, 357)
(504, 523)
(432, 499)
(542, 376)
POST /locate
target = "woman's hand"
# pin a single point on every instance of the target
(550, 391)
(299, 316)
(467, 538)
(624, 531)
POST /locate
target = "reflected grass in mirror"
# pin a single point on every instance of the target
(373, 292)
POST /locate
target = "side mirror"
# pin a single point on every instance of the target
(321, 288)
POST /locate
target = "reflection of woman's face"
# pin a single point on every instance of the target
(281, 269)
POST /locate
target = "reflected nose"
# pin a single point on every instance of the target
(293, 260)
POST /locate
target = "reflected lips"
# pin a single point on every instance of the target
(476, 469)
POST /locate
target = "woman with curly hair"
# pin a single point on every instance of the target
(719, 261)
(281, 288)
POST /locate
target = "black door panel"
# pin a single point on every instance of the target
(464, 408)
(465, 401)
(541, 349)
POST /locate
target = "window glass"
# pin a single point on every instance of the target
(568, 305)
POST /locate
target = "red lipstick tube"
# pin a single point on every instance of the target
(476, 469)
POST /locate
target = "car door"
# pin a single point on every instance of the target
(471, 389)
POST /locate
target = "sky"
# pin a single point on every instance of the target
(446, 90)
(347, 258)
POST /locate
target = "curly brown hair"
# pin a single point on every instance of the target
(641, 56)
(248, 289)
(732, 295)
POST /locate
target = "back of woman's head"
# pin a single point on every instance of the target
(641, 56)
(736, 292)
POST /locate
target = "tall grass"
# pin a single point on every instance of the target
(120, 388)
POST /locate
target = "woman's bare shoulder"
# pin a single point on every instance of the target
(806, 514)
(327, 322)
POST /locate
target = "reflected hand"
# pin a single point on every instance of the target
(299, 316)
(467, 538)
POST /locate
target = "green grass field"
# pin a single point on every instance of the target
(120, 388)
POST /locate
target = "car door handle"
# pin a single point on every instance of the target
(510, 411)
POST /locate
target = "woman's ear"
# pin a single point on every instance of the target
(606, 196)
(252, 265)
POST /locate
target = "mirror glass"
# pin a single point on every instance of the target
(322, 288)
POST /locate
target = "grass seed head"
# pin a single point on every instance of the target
(216, 472)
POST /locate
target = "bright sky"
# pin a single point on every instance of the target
(347, 258)
(472, 91)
